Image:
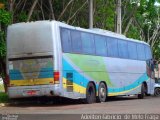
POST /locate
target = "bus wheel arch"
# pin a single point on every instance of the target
(102, 92)
(90, 93)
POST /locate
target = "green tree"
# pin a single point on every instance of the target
(4, 21)
(104, 14)
(140, 18)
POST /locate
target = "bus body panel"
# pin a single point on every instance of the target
(25, 39)
(32, 91)
(32, 59)
(122, 76)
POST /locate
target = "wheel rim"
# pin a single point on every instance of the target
(102, 92)
(157, 91)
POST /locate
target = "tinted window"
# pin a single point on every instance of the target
(112, 47)
(141, 51)
(76, 41)
(122, 49)
(87, 43)
(66, 41)
(148, 52)
(132, 50)
(100, 44)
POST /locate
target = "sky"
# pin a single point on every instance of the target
(157, 4)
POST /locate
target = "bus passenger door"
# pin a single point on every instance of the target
(151, 75)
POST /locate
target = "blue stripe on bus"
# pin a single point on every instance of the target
(46, 69)
(15, 75)
(81, 79)
(141, 79)
(44, 73)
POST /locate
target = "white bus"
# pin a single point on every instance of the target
(51, 58)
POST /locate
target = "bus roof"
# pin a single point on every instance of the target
(94, 30)
(101, 32)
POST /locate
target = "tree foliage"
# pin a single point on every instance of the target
(140, 18)
(5, 18)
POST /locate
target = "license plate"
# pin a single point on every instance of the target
(32, 92)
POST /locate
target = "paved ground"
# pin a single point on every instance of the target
(130, 105)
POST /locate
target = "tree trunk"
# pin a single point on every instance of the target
(11, 2)
(0, 27)
(128, 25)
(31, 10)
(3, 71)
(119, 21)
(51, 8)
(76, 12)
(65, 9)
(90, 13)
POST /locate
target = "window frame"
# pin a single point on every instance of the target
(106, 37)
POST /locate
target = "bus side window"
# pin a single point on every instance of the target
(66, 40)
(100, 44)
(122, 49)
(141, 51)
(76, 41)
(87, 43)
(148, 52)
(112, 47)
(132, 50)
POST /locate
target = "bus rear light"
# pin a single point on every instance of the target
(56, 77)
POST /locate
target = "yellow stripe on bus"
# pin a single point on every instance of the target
(82, 90)
(76, 87)
(32, 82)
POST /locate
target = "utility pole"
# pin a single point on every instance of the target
(90, 13)
(119, 21)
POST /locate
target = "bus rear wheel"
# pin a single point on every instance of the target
(102, 92)
(142, 94)
(90, 94)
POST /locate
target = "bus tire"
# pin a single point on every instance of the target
(141, 95)
(146, 90)
(90, 94)
(157, 91)
(102, 92)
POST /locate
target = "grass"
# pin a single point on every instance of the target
(1, 88)
(3, 97)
